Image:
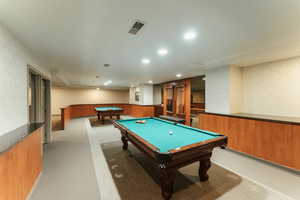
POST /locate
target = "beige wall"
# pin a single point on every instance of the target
(146, 94)
(157, 98)
(236, 89)
(217, 90)
(67, 96)
(14, 58)
(272, 88)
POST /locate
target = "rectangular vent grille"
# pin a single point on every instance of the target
(136, 27)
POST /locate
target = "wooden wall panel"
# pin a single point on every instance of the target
(187, 102)
(20, 168)
(275, 142)
(158, 110)
(295, 162)
(86, 110)
(213, 123)
(65, 116)
(142, 111)
(82, 110)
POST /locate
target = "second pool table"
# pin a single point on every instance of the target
(108, 111)
(171, 146)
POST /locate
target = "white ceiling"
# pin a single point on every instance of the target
(76, 37)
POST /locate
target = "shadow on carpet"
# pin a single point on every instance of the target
(98, 123)
(137, 179)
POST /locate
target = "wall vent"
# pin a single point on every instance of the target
(137, 25)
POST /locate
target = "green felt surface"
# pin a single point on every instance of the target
(107, 108)
(157, 132)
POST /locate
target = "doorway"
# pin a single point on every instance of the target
(39, 97)
(197, 99)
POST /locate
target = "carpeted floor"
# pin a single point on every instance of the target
(137, 178)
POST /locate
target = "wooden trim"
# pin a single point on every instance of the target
(187, 102)
(86, 110)
(266, 119)
(271, 141)
(219, 141)
(183, 79)
(20, 167)
(165, 100)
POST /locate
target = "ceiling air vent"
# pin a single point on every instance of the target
(136, 27)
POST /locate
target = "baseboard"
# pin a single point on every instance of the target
(34, 186)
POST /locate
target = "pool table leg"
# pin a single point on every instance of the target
(98, 115)
(203, 168)
(166, 183)
(125, 143)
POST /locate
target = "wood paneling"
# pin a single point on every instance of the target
(271, 141)
(181, 99)
(65, 116)
(187, 109)
(86, 110)
(20, 167)
(141, 111)
(158, 110)
(165, 100)
(296, 146)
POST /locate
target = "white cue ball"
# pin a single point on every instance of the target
(170, 132)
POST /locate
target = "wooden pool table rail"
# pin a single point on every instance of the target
(169, 162)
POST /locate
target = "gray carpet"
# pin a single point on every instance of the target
(68, 172)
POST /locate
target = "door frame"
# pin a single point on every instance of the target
(38, 112)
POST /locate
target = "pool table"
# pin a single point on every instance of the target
(171, 146)
(108, 111)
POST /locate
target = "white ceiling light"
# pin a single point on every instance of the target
(145, 61)
(150, 82)
(178, 75)
(190, 35)
(162, 52)
(97, 88)
(107, 82)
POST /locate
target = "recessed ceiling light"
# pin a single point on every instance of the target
(97, 88)
(190, 35)
(107, 82)
(162, 52)
(150, 82)
(178, 75)
(106, 65)
(145, 61)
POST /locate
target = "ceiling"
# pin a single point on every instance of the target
(75, 38)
